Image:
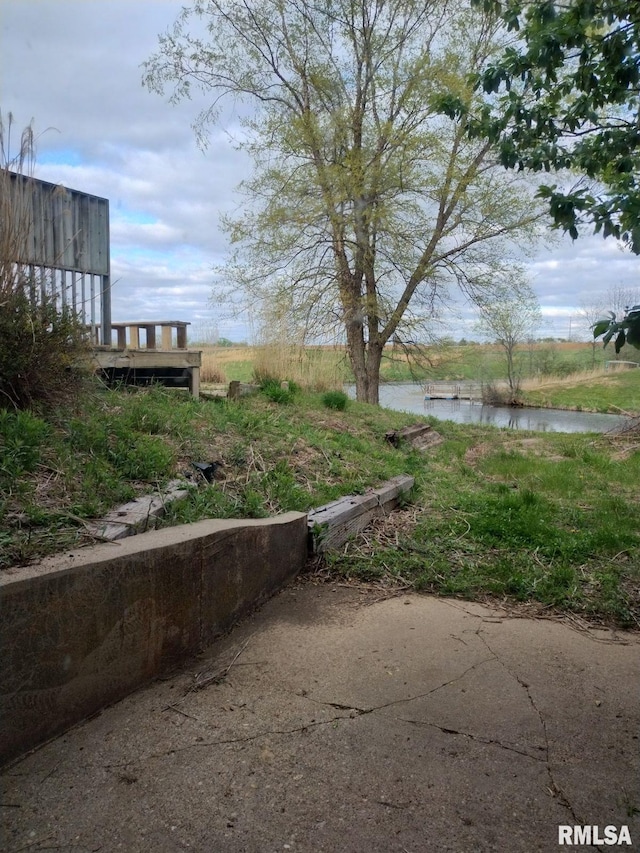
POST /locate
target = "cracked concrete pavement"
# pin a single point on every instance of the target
(333, 720)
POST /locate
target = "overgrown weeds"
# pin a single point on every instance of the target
(211, 372)
(312, 368)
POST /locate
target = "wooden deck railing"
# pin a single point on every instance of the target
(130, 362)
(129, 334)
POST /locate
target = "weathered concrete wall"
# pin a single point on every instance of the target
(82, 630)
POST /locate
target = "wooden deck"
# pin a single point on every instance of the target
(452, 391)
(171, 364)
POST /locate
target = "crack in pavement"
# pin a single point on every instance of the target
(354, 712)
(223, 742)
(554, 788)
(316, 723)
(444, 729)
(399, 701)
(476, 738)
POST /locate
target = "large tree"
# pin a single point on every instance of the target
(565, 94)
(365, 202)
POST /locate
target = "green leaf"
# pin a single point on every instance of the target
(633, 335)
(620, 340)
(600, 327)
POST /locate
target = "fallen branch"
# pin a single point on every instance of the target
(203, 680)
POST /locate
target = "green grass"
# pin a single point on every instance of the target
(281, 450)
(613, 391)
(558, 527)
(242, 371)
(545, 518)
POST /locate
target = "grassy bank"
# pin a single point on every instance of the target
(59, 472)
(544, 518)
(609, 391)
(548, 519)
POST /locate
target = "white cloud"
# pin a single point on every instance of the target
(74, 65)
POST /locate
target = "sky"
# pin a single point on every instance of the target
(74, 68)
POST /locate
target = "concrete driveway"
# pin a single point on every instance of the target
(333, 720)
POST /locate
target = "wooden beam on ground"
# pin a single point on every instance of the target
(332, 524)
(421, 436)
(137, 516)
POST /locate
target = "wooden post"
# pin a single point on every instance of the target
(182, 336)
(194, 381)
(134, 337)
(151, 336)
(166, 337)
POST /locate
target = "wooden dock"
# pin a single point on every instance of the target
(171, 364)
(451, 391)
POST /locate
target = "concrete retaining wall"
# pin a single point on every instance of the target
(82, 630)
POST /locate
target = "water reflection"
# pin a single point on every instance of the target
(540, 420)
(410, 398)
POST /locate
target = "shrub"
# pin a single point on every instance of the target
(335, 400)
(492, 395)
(21, 436)
(43, 352)
(42, 347)
(274, 391)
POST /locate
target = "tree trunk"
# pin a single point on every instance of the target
(365, 362)
(357, 351)
(374, 357)
(512, 372)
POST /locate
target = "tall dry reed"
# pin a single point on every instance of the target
(314, 368)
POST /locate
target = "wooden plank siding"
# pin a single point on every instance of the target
(65, 245)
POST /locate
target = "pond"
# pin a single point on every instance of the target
(410, 398)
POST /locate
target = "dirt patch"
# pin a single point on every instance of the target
(333, 423)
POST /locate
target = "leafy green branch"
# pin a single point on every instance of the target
(625, 331)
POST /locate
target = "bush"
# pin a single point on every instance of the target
(273, 390)
(335, 400)
(43, 351)
(492, 395)
(21, 437)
